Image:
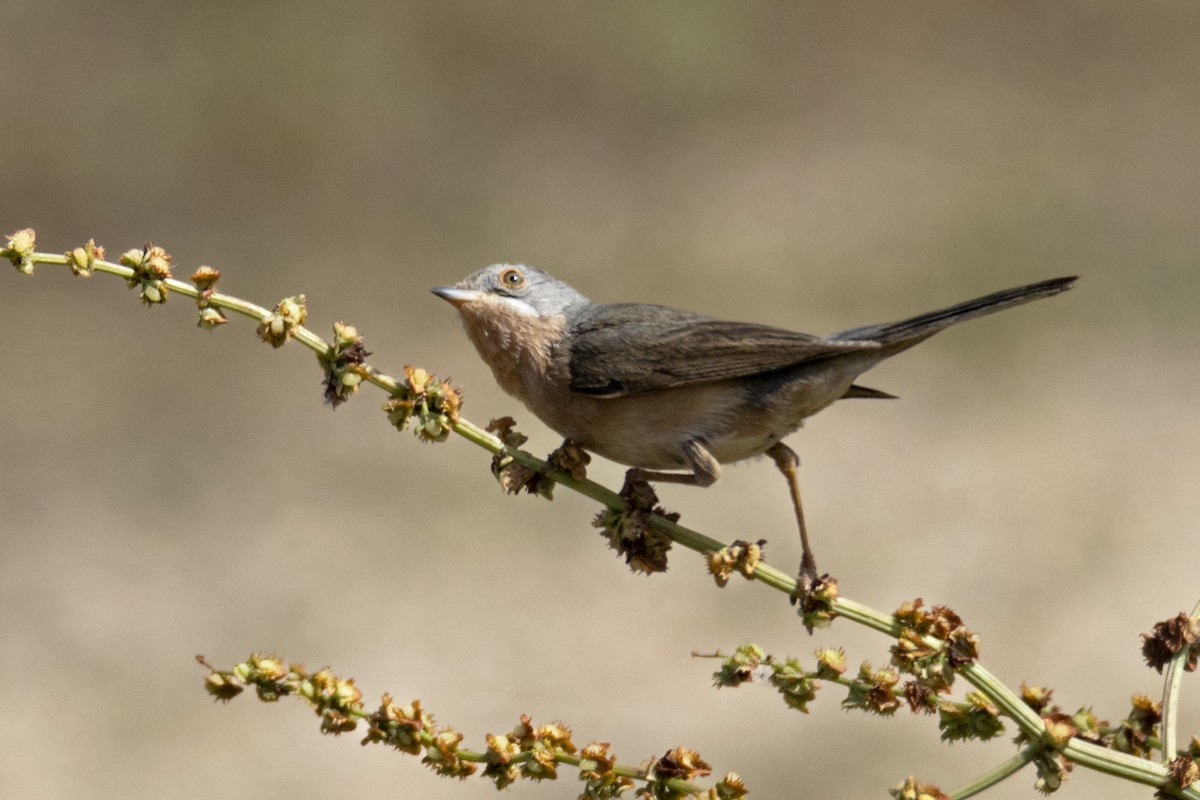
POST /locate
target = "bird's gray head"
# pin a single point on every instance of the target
(514, 287)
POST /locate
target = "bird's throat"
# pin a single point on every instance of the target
(518, 347)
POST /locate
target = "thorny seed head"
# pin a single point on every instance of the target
(932, 644)
(1052, 769)
(270, 679)
(506, 432)
(596, 771)
(1059, 729)
(82, 260)
(738, 555)
(1170, 637)
(720, 565)
(283, 323)
(211, 318)
(1182, 772)
(1087, 726)
(730, 787)
(151, 267)
(205, 278)
(1036, 697)
(682, 763)
(223, 686)
(342, 364)
(920, 698)
(157, 262)
(795, 685)
(816, 607)
(974, 718)
(442, 755)
(1136, 731)
(911, 790)
(19, 250)
(542, 764)
(741, 666)
(555, 735)
(337, 722)
(878, 690)
(400, 726)
(595, 760)
(432, 404)
(513, 476)
(938, 621)
(831, 662)
(498, 766)
(872, 690)
(631, 534)
(260, 668)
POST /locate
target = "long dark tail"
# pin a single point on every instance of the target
(896, 336)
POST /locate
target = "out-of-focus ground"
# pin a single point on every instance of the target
(166, 491)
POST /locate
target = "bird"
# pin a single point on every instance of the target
(673, 394)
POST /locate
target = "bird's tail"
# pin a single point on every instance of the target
(896, 336)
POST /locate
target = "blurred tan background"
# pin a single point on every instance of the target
(166, 491)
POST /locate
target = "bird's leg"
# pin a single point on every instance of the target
(705, 471)
(787, 461)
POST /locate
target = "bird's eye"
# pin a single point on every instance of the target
(512, 279)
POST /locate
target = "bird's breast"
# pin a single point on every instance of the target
(519, 348)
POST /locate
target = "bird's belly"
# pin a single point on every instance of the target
(650, 430)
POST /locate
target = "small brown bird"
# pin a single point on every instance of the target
(656, 388)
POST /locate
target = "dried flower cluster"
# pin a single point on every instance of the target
(342, 364)
(911, 790)
(82, 260)
(432, 404)
(932, 644)
(816, 606)
(1182, 771)
(206, 279)
(630, 532)
(739, 556)
(1170, 637)
(19, 248)
(151, 267)
(283, 323)
(514, 477)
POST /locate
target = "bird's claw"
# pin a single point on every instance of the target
(814, 598)
(638, 492)
(806, 579)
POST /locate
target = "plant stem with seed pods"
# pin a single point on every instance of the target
(1141, 770)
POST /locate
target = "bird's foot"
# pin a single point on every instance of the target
(814, 597)
(571, 458)
(806, 578)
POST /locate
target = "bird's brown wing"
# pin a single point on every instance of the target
(628, 348)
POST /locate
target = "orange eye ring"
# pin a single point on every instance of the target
(512, 279)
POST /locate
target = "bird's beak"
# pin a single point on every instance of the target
(456, 296)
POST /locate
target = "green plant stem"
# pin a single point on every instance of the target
(996, 774)
(1170, 702)
(1081, 752)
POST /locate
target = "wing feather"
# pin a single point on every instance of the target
(629, 348)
